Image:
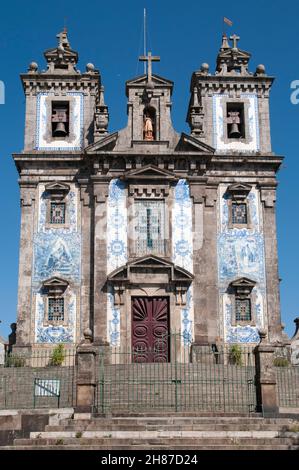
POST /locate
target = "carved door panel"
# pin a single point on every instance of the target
(150, 329)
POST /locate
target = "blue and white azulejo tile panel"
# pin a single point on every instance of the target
(117, 253)
(182, 252)
(55, 333)
(116, 225)
(241, 253)
(113, 320)
(56, 252)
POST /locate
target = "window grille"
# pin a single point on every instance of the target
(149, 227)
(243, 310)
(56, 309)
(57, 215)
(239, 213)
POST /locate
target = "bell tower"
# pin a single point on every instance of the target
(65, 112)
(61, 102)
(229, 110)
(149, 110)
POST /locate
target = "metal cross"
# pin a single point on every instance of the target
(149, 59)
(235, 40)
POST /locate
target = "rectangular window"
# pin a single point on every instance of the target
(149, 227)
(57, 215)
(56, 309)
(60, 119)
(243, 310)
(239, 213)
(235, 121)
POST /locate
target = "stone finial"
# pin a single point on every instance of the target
(63, 42)
(263, 335)
(224, 45)
(260, 70)
(101, 117)
(232, 60)
(87, 336)
(33, 67)
(204, 69)
(90, 68)
(61, 59)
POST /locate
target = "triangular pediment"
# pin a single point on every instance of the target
(57, 187)
(106, 143)
(67, 53)
(239, 187)
(190, 143)
(55, 281)
(149, 172)
(142, 81)
(240, 54)
(243, 282)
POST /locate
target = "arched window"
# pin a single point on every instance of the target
(149, 123)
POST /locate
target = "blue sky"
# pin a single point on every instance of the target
(185, 34)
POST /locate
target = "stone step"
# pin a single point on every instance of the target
(170, 420)
(175, 427)
(196, 447)
(164, 434)
(158, 442)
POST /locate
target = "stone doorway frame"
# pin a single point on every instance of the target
(149, 276)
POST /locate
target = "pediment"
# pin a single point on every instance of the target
(239, 187)
(106, 143)
(67, 53)
(57, 187)
(55, 281)
(243, 282)
(190, 143)
(55, 286)
(149, 172)
(142, 81)
(227, 54)
(152, 265)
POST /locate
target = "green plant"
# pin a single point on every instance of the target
(235, 355)
(281, 362)
(15, 361)
(59, 442)
(57, 356)
(78, 434)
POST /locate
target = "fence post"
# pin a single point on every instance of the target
(86, 374)
(265, 378)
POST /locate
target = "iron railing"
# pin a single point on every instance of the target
(209, 379)
(38, 379)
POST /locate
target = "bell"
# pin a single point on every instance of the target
(60, 130)
(234, 132)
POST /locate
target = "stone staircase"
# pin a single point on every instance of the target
(179, 431)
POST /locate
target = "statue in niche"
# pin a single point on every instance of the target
(148, 128)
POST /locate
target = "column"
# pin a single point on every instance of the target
(99, 225)
(25, 308)
(268, 198)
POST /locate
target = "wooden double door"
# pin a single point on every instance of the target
(150, 329)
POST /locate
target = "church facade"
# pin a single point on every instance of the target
(145, 231)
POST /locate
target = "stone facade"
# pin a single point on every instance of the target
(146, 211)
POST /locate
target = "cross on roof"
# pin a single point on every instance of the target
(235, 40)
(149, 59)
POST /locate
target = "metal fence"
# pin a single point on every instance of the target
(206, 380)
(288, 386)
(38, 379)
(287, 377)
